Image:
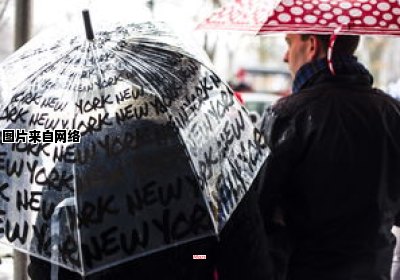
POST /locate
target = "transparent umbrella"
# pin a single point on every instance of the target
(117, 145)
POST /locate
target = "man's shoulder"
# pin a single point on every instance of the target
(385, 97)
(294, 103)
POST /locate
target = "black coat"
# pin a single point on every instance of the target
(243, 248)
(334, 169)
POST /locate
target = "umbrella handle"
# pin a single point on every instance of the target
(88, 25)
(332, 41)
(55, 231)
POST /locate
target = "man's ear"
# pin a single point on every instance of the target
(314, 48)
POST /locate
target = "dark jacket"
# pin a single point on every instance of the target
(243, 249)
(334, 170)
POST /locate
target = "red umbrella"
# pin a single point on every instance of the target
(380, 17)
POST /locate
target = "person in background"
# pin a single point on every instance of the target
(332, 181)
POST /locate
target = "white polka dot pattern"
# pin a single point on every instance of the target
(310, 18)
(296, 11)
(387, 16)
(284, 17)
(383, 7)
(345, 5)
(370, 20)
(337, 11)
(366, 7)
(323, 15)
(355, 12)
(308, 6)
(328, 16)
(343, 19)
(324, 7)
(354, 16)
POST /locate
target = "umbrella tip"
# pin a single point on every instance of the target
(88, 25)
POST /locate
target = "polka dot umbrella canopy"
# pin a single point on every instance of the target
(379, 17)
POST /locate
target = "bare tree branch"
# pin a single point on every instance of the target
(3, 7)
(210, 50)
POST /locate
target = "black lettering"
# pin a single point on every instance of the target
(204, 88)
(27, 97)
(166, 194)
(14, 168)
(38, 119)
(158, 106)
(132, 112)
(42, 239)
(86, 106)
(68, 250)
(200, 219)
(104, 244)
(108, 241)
(227, 200)
(3, 187)
(2, 213)
(12, 235)
(91, 253)
(255, 151)
(3, 157)
(64, 154)
(54, 180)
(28, 200)
(239, 126)
(47, 209)
(134, 202)
(164, 226)
(94, 213)
(32, 167)
(149, 194)
(64, 124)
(14, 114)
(28, 148)
(107, 82)
(130, 246)
(216, 80)
(123, 95)
(180, 227)
(92, 124)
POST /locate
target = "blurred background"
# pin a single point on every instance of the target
(252, 65)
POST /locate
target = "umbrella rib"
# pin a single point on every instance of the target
(42, 69)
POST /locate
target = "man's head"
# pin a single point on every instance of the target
(304, 48)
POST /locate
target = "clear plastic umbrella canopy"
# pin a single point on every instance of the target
(118, 145)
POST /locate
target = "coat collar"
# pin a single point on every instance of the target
(347, 69)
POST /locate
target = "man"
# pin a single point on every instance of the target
(332, 178)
